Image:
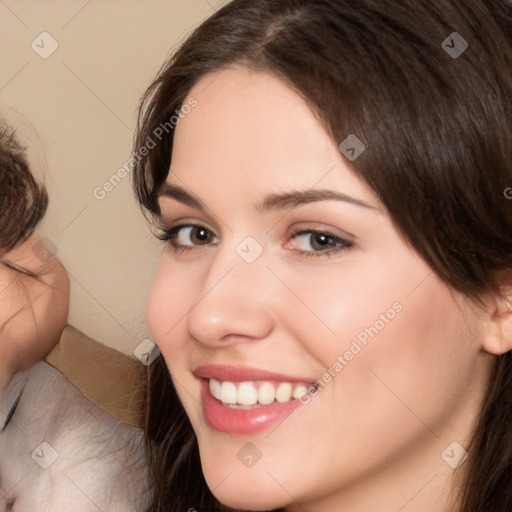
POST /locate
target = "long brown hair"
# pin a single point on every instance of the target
(427, 87)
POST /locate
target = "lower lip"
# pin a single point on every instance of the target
(243, 421)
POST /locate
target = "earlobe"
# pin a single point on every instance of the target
(498, 338)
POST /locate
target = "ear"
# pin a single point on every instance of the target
(498, 336)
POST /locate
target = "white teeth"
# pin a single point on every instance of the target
(284, 392)
(228, 393)
(215, 388)
(299, 391)
(248, 394)
(266, 393)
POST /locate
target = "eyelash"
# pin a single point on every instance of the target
(170, 234)
(343, 243)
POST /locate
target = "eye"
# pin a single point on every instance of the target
(188, 236)
(317, 242)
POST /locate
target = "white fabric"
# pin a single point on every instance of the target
(94, 462)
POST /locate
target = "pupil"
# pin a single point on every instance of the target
(322, 240)
(201, 234)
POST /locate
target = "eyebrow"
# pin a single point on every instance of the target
(271, 202)
(293, 199)
(179, 194)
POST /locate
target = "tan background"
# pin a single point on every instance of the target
(81, 101)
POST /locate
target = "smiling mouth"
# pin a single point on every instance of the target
(253, 394)
(246, 401)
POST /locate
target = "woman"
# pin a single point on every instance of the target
(333, 303)
(58, 451)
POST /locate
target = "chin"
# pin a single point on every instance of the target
(249, 499)
(246, 489)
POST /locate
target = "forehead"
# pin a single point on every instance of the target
(251, 130)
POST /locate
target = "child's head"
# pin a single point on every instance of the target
(34, 288)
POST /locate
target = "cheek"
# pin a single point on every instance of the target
(157, 309)
(330, 306)
(423, 362)
(383, 342)
(163, 307)
(160, 306)
(165, 317)
(171, 297)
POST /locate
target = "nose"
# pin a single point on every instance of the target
(234, 304)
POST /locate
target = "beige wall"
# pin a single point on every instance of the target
(81, 100)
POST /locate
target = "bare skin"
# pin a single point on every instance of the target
(34, 310)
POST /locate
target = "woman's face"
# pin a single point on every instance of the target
(281, 260)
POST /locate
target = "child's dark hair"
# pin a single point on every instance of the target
(23, 201)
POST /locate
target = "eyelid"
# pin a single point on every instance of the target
(345, 243)
(168, 234)
(320, 227)
(172, 211)
(183, 222)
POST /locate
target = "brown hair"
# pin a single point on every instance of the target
(23, 201)
(437, 127)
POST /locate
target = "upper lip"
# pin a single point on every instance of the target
(233, 373)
